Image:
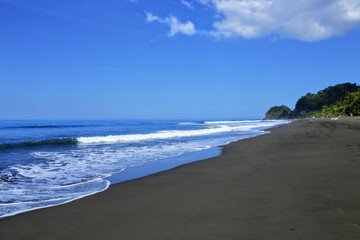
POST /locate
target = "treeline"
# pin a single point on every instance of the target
(341, 99)
(311, 103)
(349, 106)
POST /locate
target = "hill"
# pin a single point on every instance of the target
(279, 112)
(328, 96)
(312, 104)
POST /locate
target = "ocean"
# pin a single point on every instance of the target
(52, 162)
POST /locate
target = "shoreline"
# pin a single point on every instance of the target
(133, 171)
(170, 163)
(149, 168)
(246, 192)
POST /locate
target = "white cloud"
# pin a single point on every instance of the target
(175, 25)
(187, 4)
(152, 18)
(306, 20)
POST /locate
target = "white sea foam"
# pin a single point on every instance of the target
(189, 123)
(11, 209)
(153, 136)
(225, 122)
(259, 122)
(219, 128)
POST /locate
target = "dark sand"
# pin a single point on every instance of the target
(300, 182)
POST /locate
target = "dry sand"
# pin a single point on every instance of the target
(302, 181)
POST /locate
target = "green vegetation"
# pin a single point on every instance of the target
(279, 112)
(328, 96)
(316, 114)
(349, 105)
(341, 99)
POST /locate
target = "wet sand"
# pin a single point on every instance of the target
(302, 181)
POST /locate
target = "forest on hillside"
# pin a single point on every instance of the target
(341, 99)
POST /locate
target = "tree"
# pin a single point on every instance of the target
(349, 105)
(327, 111)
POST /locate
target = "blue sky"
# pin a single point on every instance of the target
(200, 59)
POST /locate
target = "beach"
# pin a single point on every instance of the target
(301, 181)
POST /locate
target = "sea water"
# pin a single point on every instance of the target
(47, 163)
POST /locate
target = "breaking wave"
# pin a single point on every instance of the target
(159, 135)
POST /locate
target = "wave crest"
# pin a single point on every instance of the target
(59, 141)
(152, 136)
